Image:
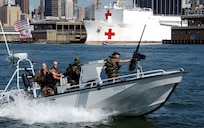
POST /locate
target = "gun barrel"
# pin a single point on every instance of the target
(133, 62)
(137, 49)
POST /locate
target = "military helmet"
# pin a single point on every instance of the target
(115, 53)
(76, 60)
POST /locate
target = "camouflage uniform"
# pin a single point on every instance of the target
(112, 67)
(73, 72)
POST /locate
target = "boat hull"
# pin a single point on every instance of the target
(131, 98)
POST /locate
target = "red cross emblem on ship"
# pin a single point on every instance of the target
(107, 14)
(109, 33)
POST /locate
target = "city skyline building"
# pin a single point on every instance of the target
(24, 5)
(53, 8)
(201, 1)
(1, 2)
(168, 7)
(63, 9)
(90, 12)
(69, 9)
(41, 9)
(162, 7)
(81, 13)
(9, 14)
(75, 9)
(143, 3)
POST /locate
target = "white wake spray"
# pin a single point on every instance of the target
(34, 111)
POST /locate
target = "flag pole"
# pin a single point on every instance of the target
(7, 47)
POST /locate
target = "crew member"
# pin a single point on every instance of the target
(44, 79)
(112, 65)
(73, 72)
(56, 75)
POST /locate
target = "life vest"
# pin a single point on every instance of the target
(73, 72)
(46, 78)
(68, 70)
(110, 67)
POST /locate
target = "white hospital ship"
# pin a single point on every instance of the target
(114, 24)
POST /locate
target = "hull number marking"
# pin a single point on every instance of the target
(117, 88)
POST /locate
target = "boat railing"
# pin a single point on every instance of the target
(18, 74)
(149, 73)
(2, 94)
(8, 84)
(134, 75)
(96, 82)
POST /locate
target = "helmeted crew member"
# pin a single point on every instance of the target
(73, 72)
(112, 65)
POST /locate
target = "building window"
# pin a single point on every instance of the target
(77, 28)
(71, 29)
(65, 27)
(59, 27)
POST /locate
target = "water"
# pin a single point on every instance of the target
(184, 109)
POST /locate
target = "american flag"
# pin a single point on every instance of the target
(26, 33)
(21, 24)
